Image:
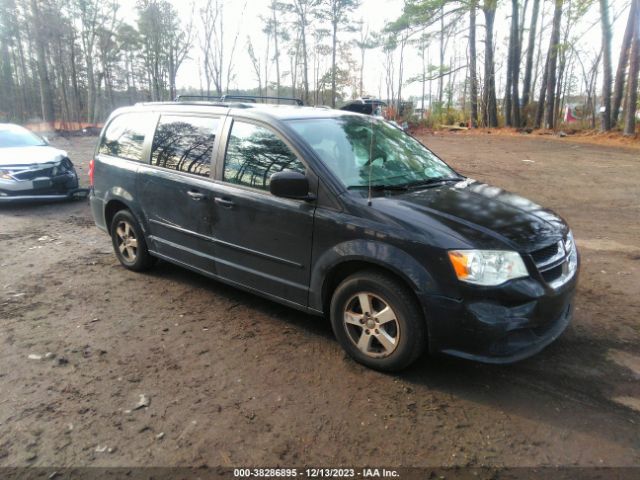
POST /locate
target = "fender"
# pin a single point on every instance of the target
(381, 254)
(127, 198)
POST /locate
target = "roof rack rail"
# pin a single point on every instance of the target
(244, 98)
(253, 98)
(181, 98)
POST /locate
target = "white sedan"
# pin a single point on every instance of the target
(31, 169)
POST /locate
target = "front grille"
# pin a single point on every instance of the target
(31, 174)
(554, 262)
(545, 254)
(61, 168)
(552, 274)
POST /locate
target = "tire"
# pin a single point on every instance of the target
(129, 242)
(387, 340)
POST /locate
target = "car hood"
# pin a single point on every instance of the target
(469, 207)
(24, 156)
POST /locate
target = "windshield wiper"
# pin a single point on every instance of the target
(379, 187)
(406, 186)
(433, 181)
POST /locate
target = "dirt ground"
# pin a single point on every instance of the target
(232, 379)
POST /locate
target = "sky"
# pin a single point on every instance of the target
(243, 16)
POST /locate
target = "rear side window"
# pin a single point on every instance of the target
(125, 136)
(255, 153)
(184, 144)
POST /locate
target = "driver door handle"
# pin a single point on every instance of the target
(195, 195)
(224, 202)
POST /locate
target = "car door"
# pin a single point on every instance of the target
(176, 189)
(263, 241)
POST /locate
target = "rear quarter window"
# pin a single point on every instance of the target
(125, 136)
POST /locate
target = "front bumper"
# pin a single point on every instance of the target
(42, 185)
(503, 324)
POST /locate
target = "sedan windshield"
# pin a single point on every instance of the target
(19, 137)
(387, 158)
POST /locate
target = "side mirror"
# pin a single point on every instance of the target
(289, 184)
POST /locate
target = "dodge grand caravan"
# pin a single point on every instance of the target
(336, 214)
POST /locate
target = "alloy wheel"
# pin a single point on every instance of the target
(126, 241)
(372, 325)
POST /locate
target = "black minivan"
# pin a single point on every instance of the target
(337, 214)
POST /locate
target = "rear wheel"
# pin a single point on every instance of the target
(377, 321)
(129, 242)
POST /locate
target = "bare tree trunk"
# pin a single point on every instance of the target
(23, 68)
(473, 75)
(363, 45)
(565, 87)
(515, 64)
(606, 62)
(538, 55)
(294, 67)
(403, 43)
(7, 100)
(361, 86)
(77, 98)
(552, 65)
(301, 10)
(593, 96)
(634, 67)
(266, 66)
(423, 51)
(542, 97)
(442, 49)
(506, 107)
(334, 46)
(305, 64)
(46, 94)
(618, 89)
(277, 52)
(562, 68)
(490, 114)
(522, 18)
(527, 93)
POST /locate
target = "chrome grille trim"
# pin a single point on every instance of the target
(565, 248)
(564, 278)
(554, 260)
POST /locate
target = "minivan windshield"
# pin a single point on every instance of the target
(19, 137)
(388, 158)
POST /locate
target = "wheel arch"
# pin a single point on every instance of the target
(119, 199)
(347, 268)
(345, 259)
(112, 207)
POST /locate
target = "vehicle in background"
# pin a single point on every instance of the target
(31, 169)
(374, 107)
(366, 106)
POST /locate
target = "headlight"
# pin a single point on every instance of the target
(487, 267)
(6, 174)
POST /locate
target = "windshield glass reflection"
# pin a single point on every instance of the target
(390, 157)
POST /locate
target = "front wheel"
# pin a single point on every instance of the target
(129, 242)
(377, 321)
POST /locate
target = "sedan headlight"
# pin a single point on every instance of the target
(487, 267)
(6, 174)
